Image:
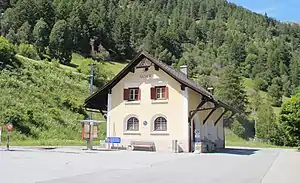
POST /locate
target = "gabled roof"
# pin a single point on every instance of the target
(98, 100)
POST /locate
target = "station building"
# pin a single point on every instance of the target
(149, 102)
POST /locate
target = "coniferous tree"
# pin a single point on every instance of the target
(41, 34)
(60, 43)
(24, 33)
(275, 91)
(45, 10)
(231, 90)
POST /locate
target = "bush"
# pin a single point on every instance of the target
(289, 121)
(238, 129)
(28, 51)
(7, 51)
(261, 84)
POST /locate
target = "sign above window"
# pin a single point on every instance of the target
(146, 76)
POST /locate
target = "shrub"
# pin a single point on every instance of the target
(260, 84)
(7, 51)
(289, 120)
(28, 50)
(238, 129)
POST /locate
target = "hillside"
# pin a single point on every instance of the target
(44, 100)
(206, 35)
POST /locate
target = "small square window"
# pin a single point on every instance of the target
(160, 93)
(133, 94)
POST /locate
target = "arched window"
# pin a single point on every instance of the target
(160, 124)
(132, 124)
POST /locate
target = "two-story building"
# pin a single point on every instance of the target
(151, 102)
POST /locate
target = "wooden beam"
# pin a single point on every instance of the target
(132, 70)
(182, 87)
(104, 115)
(233, 113)
(192, 114)
(211, 112)
(217, 121)
(203, 109)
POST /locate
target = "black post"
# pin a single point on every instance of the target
(8, 136)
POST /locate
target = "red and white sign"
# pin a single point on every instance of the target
(9, 126)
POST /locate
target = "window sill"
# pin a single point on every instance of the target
(132, 102)
(160, 133)
(131, 133)
(159, 101)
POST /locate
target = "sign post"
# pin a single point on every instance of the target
(9, 128)
(90, 139)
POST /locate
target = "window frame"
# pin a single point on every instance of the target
(135, 95)
(163, 127)
(134, 124)
(160, 93)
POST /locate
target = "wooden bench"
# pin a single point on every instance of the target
(142, 145)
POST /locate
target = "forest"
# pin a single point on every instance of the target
(220, 42)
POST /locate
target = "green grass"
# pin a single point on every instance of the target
(233, 140)
(113, 67)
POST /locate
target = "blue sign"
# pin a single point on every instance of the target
(113, 140)
(197, 140)
(145, 123)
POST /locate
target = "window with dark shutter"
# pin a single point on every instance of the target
(126, 94)
(132, 94)
(139, 94)
(166, 93)
(161, 93)
(153, 94)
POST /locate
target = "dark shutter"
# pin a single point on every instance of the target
(153, 94)
(126, 94)
(139, 94)
(167, 92)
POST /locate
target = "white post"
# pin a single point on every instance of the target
(108, 117)
(185, 109)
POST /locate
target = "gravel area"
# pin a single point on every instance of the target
(75, 165)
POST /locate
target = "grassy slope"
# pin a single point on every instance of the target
(34, 88)
(264, 95)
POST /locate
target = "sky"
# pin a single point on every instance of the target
(282, 10)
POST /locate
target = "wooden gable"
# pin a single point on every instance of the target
(144, 63)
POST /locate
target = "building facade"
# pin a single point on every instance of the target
(148, 101)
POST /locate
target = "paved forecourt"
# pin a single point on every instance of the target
(73, 165)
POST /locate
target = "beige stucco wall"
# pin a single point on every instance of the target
(146, 110)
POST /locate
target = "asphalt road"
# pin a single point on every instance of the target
(73, 165)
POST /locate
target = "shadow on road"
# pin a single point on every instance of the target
(238, 151)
